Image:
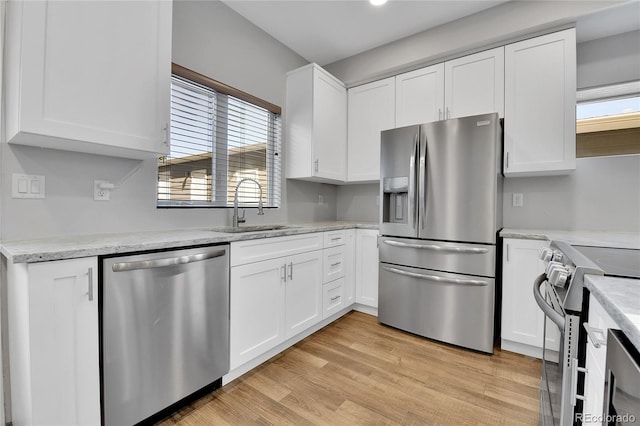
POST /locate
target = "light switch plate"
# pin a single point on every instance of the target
(27, 186)
(517, 200)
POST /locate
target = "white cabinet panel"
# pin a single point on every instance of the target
(599, 322)
(420, 96)
(371, 110)
(474, 84)
(367, 267)
(256, 309)
(303, 301)
(54, 355)
(350, 267)
(334, 263)
(249, 251)
(522, 319)
(540, 100)
(316, 125)
(334, 238)
(89, 76)
(333, 299)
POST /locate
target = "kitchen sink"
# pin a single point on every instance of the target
(251, 228)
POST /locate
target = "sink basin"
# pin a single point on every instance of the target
(251, 228)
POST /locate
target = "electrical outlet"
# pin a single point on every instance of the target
(517, 200)
(99, 193)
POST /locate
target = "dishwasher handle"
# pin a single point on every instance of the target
(163, 263)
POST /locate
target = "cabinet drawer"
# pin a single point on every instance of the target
(334, 264)
(333, 297)
(334, 238)
(250, 251)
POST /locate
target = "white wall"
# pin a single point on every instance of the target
(603, 194)
(608, 60)
(212, 39)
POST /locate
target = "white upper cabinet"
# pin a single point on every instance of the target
(89, 76)
(371, 110)
(316, 125)
(540, 99)
(420, 96)
(474, 84)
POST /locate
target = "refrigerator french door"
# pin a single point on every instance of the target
(441, 208)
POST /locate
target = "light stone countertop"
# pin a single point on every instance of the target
(629, 240)
(620, 297)
(69, 247)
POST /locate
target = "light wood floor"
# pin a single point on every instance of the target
(357, 371)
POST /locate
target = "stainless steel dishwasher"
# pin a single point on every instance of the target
(165, 329)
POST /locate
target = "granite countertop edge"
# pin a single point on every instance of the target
(629, 240)
(619, 297)
(70, 247)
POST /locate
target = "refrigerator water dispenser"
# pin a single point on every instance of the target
(395, 201)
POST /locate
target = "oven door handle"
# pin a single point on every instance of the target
(546, 308)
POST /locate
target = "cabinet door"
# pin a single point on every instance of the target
(90, 76)
(350, 267)
(540, 100)
(329, 127)
(371, 110)
(63, 306)
(474, 84)
(367, 267)
(256, 309)
(303, 292)
(420, 96)
(522, 319)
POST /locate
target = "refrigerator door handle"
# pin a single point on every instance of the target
(412, 184)
(422, 183)
(435, 277)
(437, 247)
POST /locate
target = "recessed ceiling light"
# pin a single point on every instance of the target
(377, 2)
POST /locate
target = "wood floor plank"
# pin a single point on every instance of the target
(357, 371)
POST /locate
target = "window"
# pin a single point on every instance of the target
(608, 121)
(219, 136)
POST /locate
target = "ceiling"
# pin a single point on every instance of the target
(325, 31)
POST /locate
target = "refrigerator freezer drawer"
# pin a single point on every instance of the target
(452, 308)
(472, 259)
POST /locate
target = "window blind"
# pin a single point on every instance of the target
(216, 141)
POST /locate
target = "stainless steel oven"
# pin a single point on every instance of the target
(560, 294)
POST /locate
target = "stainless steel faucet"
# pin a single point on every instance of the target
(237, 220)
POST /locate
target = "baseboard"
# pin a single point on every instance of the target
(527, 350)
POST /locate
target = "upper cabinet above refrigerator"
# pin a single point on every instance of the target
(89, 76)
(540, 105)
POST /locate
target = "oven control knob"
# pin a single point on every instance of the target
(546, 254)
(551, 266)
(558, 275)
(557, 256)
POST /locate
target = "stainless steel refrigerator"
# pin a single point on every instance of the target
(441, 205)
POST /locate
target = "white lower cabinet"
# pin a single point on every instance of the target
(333, 297)
(257, 298)
(271, 301)
(367, 267)
(350, 267)
(303, 301)
(522, 320)
(599, 324)
(54, 354)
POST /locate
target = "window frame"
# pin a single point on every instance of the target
(608, 135)
(274, 169)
